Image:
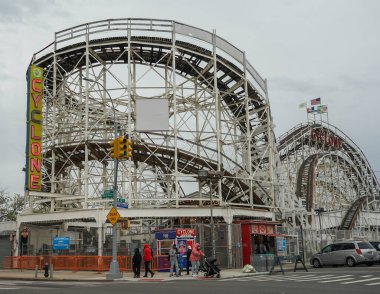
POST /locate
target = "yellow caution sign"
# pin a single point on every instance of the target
(113, 216)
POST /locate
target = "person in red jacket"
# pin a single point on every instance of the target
(147, 261)
(195, 256)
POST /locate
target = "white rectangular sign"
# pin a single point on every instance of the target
(152, 114)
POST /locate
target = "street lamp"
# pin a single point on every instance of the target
(114, 272)
(319, 211)
(211, 176)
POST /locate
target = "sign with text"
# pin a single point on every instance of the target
(263, 229)
(61, 243)
(328, 139)
(34, 129)
(164, 235)
(182, 233)
(113, 216)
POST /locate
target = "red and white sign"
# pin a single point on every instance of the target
(326, 138)
(263, 229)
(183, 233)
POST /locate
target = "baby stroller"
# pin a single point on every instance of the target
(210, 267)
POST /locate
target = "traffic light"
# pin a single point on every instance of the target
(125, 148)
(121, 148)
(114, 148)
(129, 148)
(122, 142)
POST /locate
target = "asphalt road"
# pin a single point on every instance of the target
(324, 280)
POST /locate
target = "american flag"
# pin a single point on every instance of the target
(315, 101)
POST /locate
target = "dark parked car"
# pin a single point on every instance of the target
(349, 253)
(376, 245)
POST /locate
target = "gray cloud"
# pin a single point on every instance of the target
(26, 11)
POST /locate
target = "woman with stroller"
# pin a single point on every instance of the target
(195, 256)
(136, 263)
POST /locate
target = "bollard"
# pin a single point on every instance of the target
(36, 271)
(46, 270)
(51, 271)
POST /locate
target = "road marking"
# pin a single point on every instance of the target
(372, 284)
(360, 281)
(367, 276)
(337, 280)
(316, 278)
(9, 288)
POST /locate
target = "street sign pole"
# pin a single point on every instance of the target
(114, 272)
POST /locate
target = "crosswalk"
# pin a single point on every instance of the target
(367, 280)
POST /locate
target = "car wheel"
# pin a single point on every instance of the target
(218, 276)
(369, 263)
(350, 262)
(316, 263)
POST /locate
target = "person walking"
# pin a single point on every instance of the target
(136, 263)
(147, 261)
(195, 256)
(188, 262)
(173, 257)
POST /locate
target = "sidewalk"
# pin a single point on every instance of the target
(127, 276)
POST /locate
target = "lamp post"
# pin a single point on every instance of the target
(114, 272)
(211, 176)
(319, 212)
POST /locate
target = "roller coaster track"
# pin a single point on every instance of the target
(193, 61)
(234, 190)
(155, 51)
(306, 180)
(352, 214)
(298, 137)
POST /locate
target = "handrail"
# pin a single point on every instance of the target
(158, 25)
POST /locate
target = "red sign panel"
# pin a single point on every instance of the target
(183, 233)
(262, 229)
(326, 138)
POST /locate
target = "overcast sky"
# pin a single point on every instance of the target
(306, 49)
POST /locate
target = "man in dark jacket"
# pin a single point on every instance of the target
(136, 263)
(188, 262)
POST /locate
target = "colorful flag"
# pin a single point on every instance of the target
(302, 105)
(311, 109)
(322, 108)
(315, 101)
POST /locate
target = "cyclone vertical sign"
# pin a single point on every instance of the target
(34, 129)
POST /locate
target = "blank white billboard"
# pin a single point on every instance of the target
(152, 114)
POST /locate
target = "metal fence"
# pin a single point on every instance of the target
(88, 245)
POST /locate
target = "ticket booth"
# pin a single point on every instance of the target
(165, 240)
(258, 238)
